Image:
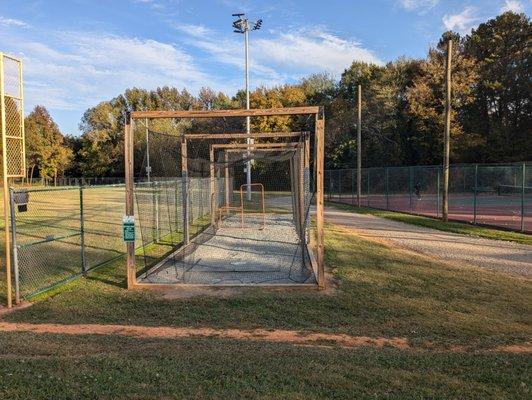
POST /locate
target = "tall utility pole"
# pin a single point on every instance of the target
(243, 25)
(447, 133)
(359, 144)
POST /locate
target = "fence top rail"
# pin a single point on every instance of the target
(227, 113)
(500, 165)
(60, 188)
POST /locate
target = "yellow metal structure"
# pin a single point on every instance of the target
(13, 142)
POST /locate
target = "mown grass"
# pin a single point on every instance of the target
(53, 366)
(462, 228)
(379, 292)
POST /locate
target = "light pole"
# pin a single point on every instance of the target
(243, 25)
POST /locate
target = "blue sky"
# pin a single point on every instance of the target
(80, 52)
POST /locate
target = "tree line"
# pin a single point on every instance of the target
(402, 109)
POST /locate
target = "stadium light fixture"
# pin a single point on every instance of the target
(243, 25)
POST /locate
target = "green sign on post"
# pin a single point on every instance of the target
(128, 224)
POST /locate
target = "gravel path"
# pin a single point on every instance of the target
(498, 255)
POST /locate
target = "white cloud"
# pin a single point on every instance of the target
(71, 71)
(513, 5)
(412, 5)
(76, 70)
(12, 22)
(462, 22)
(229, 51)
(313, 51)
(282, 56)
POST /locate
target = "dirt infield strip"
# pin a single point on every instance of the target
(276, 336)
(166, 332)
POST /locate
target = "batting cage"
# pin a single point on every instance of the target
(200, 220)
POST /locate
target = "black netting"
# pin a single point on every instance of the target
(200, 221)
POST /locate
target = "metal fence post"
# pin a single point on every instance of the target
(353, 186)
(475, 189)
(367, 194)
(386, 187)
(523, 182)
(410, 178)
(339, 184)
(437, 192)
(176, 200)
(157, 228)
(14, 248)
(82, 231)
(184, 190)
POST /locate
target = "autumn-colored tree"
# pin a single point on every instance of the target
(276, 97)
(46, 150)
(426, 101)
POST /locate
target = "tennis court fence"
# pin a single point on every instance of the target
(486, 194)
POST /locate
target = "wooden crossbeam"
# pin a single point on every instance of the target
(308, 110)
(240, 135)
(252, 146)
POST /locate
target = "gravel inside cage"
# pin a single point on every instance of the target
(260, 250)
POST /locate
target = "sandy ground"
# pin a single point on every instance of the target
(510, 257)
(266, 250)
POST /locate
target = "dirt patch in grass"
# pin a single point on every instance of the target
(21, 306)
(525, 348)
(276, 335)
(302, 338)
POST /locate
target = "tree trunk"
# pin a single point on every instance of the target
(31, 174)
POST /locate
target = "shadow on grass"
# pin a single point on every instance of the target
(381, 292)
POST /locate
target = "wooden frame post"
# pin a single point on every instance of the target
(212, 187)
(301, 188)
(184, 190)
(320, 152)
(301, 196)
(130, 206)
(228, 187)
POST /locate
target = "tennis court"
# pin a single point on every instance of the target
(499, 195)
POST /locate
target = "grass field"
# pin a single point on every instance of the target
(450, 226)
(455, 322)
(48, 233)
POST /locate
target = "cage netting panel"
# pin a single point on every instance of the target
(237, 233)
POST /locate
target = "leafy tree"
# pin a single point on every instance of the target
(502, 108)
(426, 102)
(276, 97)
(46, 150)
(402, 110)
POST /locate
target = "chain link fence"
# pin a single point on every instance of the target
(60, 233)
(497, 195)
(64, 181)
